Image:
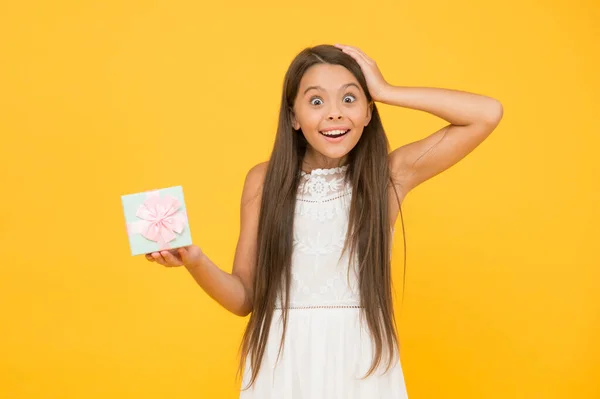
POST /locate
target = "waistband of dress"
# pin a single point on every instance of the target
(293, 307)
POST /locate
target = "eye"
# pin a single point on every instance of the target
(351, 97)
(312, 101)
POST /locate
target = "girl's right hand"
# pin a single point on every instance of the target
(189, 256)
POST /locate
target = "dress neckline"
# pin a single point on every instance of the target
(321, 171)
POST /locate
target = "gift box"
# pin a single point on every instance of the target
(156, 220)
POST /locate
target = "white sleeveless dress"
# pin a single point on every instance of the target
(327, 348)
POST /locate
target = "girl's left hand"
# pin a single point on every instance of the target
(375, 81)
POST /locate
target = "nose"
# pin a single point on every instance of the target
(334, 114)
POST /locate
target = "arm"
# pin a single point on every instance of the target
(234, 290)
(472, 119)
(225, 288)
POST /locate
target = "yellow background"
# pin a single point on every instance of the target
(104, 98)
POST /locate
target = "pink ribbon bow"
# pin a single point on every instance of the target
(161, 220)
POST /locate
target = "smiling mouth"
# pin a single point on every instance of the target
(335, 133)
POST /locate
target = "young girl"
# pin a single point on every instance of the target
(312, 265)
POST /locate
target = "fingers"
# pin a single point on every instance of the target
(155, 257)
(357, 57)
(173, 257)
(356, 52)
(170, 259)
(164, 258)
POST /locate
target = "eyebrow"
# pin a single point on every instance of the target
(320, 88)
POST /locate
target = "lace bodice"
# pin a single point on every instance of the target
(319, 276)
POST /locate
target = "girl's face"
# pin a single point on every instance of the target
(332, 110)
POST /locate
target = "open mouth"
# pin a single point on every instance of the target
(335, 133)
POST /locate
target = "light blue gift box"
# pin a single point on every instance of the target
(156, 220)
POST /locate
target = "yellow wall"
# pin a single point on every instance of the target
(103, 98)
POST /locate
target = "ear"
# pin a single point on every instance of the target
(295, 123)
(369, 112)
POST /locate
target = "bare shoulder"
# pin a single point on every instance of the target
(397, 189)
(254, 182)
(258, 171)
(399, 173)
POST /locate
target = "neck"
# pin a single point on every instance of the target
(318, 161)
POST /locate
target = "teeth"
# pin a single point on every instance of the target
(334, 132)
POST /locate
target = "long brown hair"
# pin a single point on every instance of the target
(368, 235)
